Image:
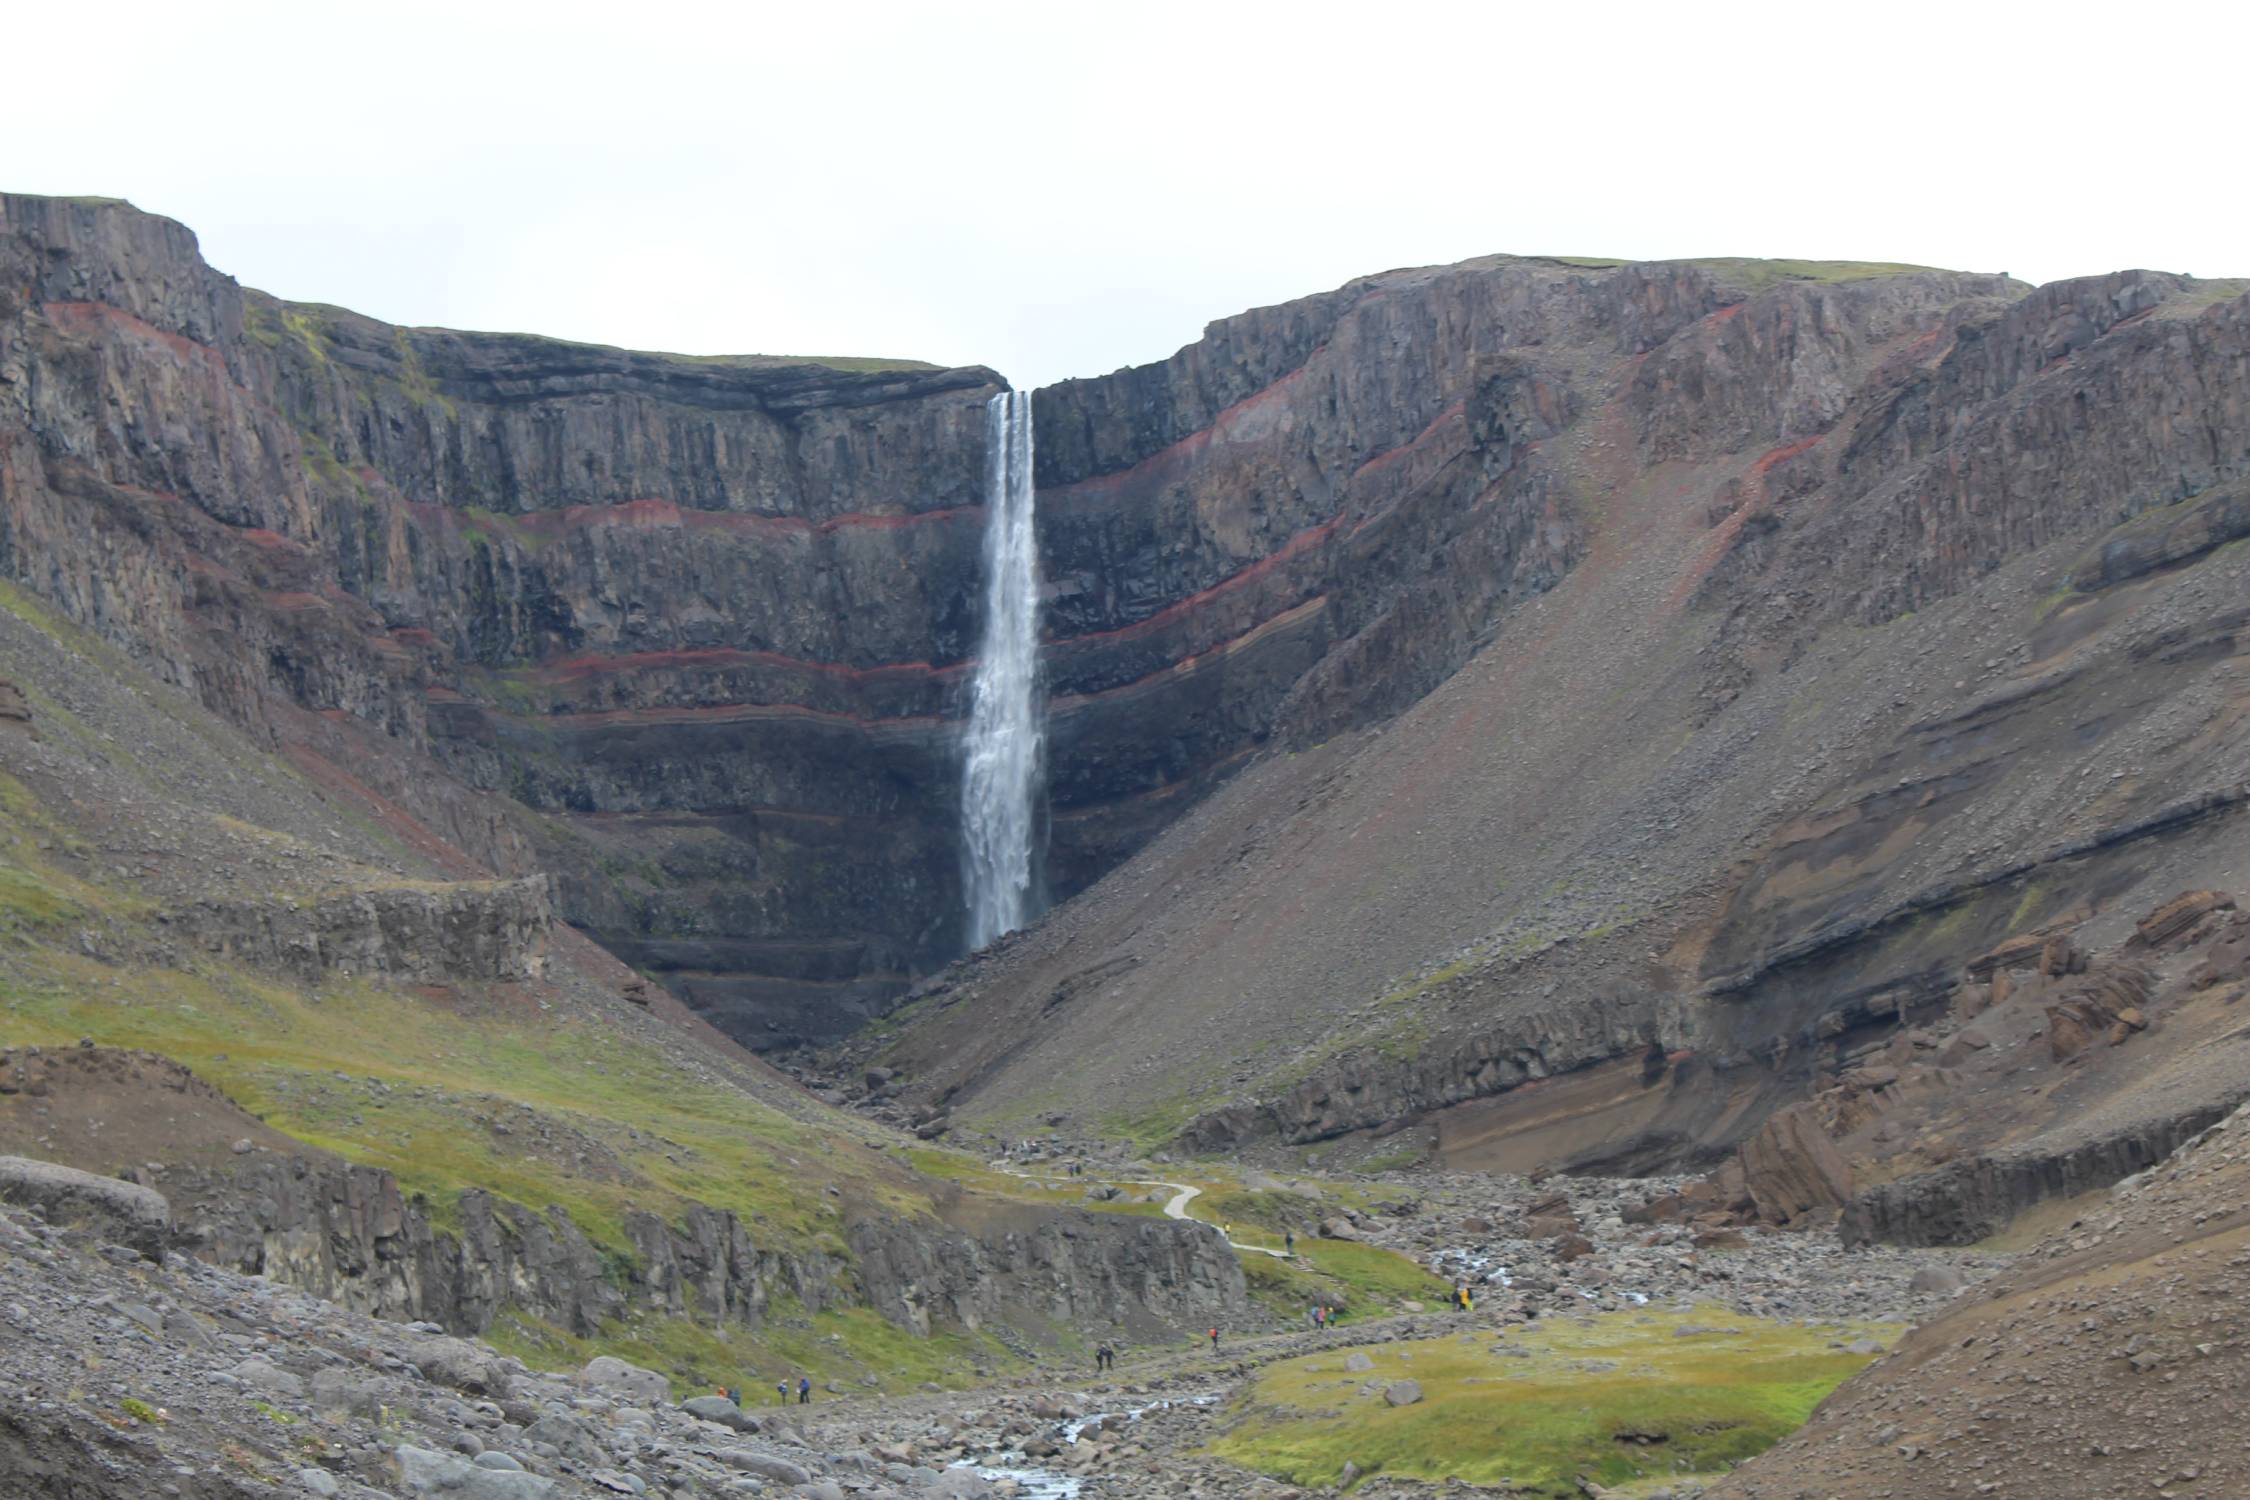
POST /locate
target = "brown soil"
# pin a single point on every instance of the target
(2115, 1361)
(106, 1110)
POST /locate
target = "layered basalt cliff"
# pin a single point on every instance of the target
(348, 1234)
(1902, 613)
(707, 620)
(693, 615)
(440, 932)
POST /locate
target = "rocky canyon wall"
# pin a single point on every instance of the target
(698, 628)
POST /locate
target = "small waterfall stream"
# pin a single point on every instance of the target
(1003, 746)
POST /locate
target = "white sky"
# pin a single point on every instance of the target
(1060, 189)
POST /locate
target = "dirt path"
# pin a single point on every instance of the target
(1176, 1207)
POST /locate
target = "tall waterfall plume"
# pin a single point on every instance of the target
(1000, 779)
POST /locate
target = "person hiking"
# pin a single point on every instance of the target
(1214, 1341)
(1289, 1242)
(1104, 1358)
(804, 1390)
(1312, 1315)
(782, 1386)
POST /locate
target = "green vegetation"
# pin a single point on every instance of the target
(305, 324)
(423, 1088)
(1358, 1280)
(844, 1345)
(855, 364)
(1149, 1129)
(139, 1410)
(1623, 1399)
(1055, 1190)
(1414, 989)
(413, 379)
(1751, 275)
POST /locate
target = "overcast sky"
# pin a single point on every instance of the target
(1061, 189)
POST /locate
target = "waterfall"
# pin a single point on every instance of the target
(1002, 760)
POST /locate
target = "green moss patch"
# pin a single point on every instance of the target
(1623, 1400)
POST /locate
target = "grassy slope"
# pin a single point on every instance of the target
(1569, 1408)
(519, 1089)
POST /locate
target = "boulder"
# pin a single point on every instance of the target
(1791, 1168)
(469, 1368)
(1402, 1393)
(959, 1484)
(1937, 1281)
(122, 1213)
(424, 1472)
(565, 1434)
(764, 1465)
(720, 1410)
(2059, 956)
(266, 1376)
(352, 1392)
(2179, 914)
(615, 1377)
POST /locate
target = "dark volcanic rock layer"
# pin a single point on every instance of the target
(683, 611)
(707, 620)
(1900, 612)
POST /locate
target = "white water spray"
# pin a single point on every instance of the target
(1001, 770)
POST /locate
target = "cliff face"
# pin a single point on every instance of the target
(699, 620)
(707, 621)
(1901, 614)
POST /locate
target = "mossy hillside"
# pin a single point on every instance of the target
(1359, 1281)
(1628, 1399)
(1056, 1190)
(852, 1347)
(385, 1078)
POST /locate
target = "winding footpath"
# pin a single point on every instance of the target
(1176, 1207)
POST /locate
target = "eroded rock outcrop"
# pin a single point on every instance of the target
(431, 933)
(122, 1213)
(347, 1233)
(1029, 1269)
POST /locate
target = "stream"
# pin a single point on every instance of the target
(1051, 1484)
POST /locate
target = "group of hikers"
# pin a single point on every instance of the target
(780, 1389)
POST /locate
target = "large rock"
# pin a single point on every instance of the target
(765, 1465)
(613, 1376)
(120, 1212)
(2180, 913)
(720, 1410)
(455, 930)
(423, 1472)
(465, 1366)
(1791, 1168)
